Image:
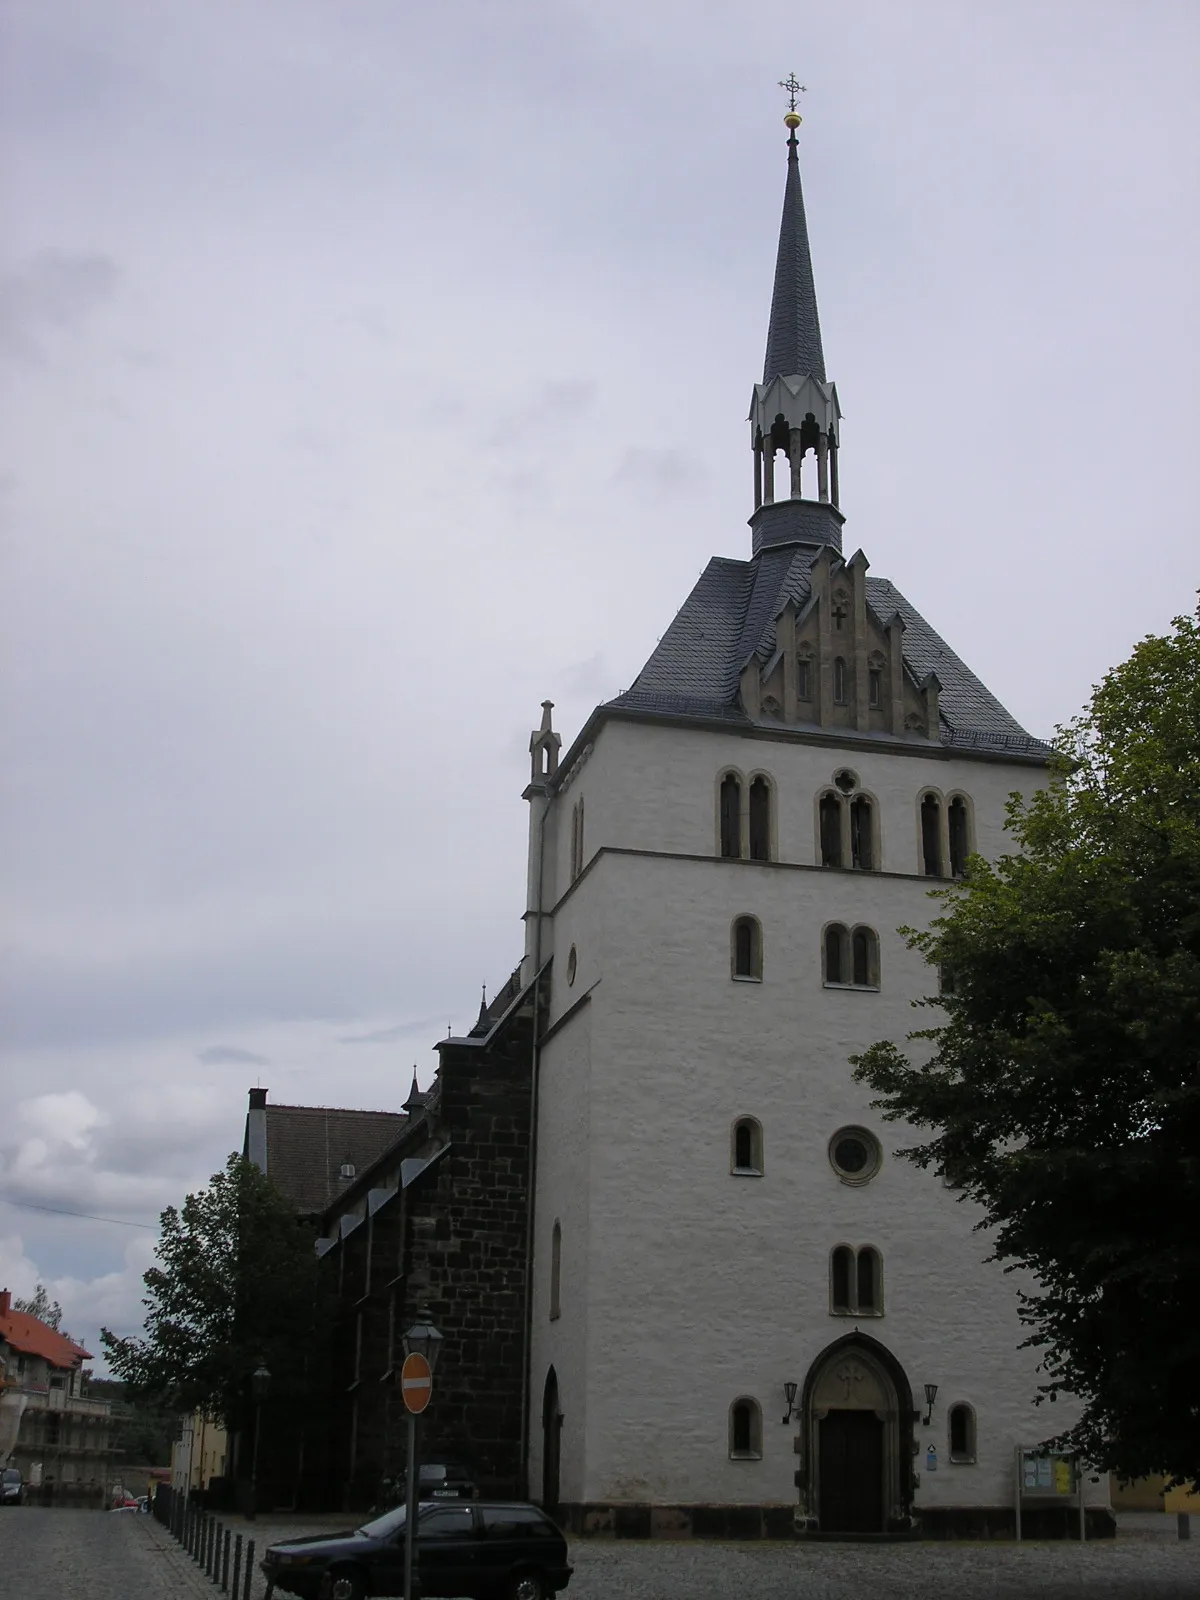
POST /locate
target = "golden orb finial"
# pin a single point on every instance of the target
(792, 119)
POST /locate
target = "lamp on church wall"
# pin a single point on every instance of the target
(789, 1394)
(930, 1397)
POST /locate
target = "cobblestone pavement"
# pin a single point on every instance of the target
(88, 1555)
(1145, 1562)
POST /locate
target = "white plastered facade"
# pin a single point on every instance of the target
(683, 1286)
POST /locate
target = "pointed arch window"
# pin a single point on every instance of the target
(931, 836)
(875, 688)
(556, 1271)
(746, 949)
(760, 820)
(831, 830)
(855, 1281)
(803, 678)
(840, 682)
(731, 815)
(747, 1151)
(960, 836)
(745, 1430)
(862, 852)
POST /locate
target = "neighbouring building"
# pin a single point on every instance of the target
(50, 1428)
(198, 1455)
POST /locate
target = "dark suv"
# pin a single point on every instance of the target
(485, 1549)
(10, 1487)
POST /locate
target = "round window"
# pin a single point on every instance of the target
(846, 780)
(572, 963)
(854, 1154)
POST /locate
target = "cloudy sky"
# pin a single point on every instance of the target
(371, 370)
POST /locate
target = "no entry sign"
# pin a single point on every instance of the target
(416, 1382)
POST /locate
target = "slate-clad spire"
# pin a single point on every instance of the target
(794, 334)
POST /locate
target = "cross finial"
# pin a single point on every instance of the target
(793, 89)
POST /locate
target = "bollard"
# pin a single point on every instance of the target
(1183, 1524)
(194, 1534)
(211, 1534)
(237, 1565)
(225, 1562)
(249, 1569)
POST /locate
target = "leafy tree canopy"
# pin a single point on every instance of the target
(40, 1305)
(1061, 1083)
(236, 1285)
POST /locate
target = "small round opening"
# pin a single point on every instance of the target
(572, 964)
(854, 1154)
(845, 780)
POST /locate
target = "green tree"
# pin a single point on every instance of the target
(1061, 1082)
(40, 1305)
(236, 1285)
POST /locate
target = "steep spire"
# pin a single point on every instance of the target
(794, 334)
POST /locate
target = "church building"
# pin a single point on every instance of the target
(747, 1315)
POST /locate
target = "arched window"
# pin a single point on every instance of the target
(831, 830)
(931, 836)
(760, 820)
(856, 1281)
(803, 678)
(841, 1271)
(864, 958)
(875, 688)
(731, 815)
(960, 838)
(962, 1432)
(862, 854)
(745, 1430)
(837, 942)
(746, 951)
(839, 682)
(747, 1150)
(556, 1271)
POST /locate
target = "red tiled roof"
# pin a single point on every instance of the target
(34, 1338)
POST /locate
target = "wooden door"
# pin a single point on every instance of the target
(851, 1472)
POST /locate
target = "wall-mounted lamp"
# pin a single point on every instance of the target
(789, 1394)
(930, 1397)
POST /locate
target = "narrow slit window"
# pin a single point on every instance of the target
(962, 1433)
(931, 836)
(868, 1287)
(556, 1271)
(747, 949)
(861, 853)
(731, 816)
(839, 682)
(840, 1271)
(747, 1146)
(804, 678)
(745, 1430)
(875, 688)
(831, 830)
(960, 848)
(760, 820)
(860, 952)
(835, 966)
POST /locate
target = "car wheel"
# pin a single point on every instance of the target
(346, 1586)
(527, 1586)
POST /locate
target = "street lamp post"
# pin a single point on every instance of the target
(260, 1383)
(422, 1339)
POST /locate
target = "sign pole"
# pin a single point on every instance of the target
(410, 1508)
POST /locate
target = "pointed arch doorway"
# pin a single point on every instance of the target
(552, 1421)
(858, 1431)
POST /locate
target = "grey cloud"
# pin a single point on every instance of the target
(665, 474)
(402, 1030)
(557, 404)
(56, 290)
(229, 1055)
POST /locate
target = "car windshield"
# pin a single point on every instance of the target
(385, 1526)
(11, 1475)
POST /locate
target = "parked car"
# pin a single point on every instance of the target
(484, 1549)
(11, 1487)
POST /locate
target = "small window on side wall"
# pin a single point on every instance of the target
(962, 1433)
(747, 1152)
(855, 1282)
(931, 836)
(960, 836)
(760, 820)
(745, 1430)
(746, 950)
(831, 830)
(840, 686)
(731, 816)
(556, 1271)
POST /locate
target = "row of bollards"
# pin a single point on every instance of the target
(214, 1549)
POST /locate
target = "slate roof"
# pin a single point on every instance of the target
(730, 617)
(794, 332)
(306, 1146)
